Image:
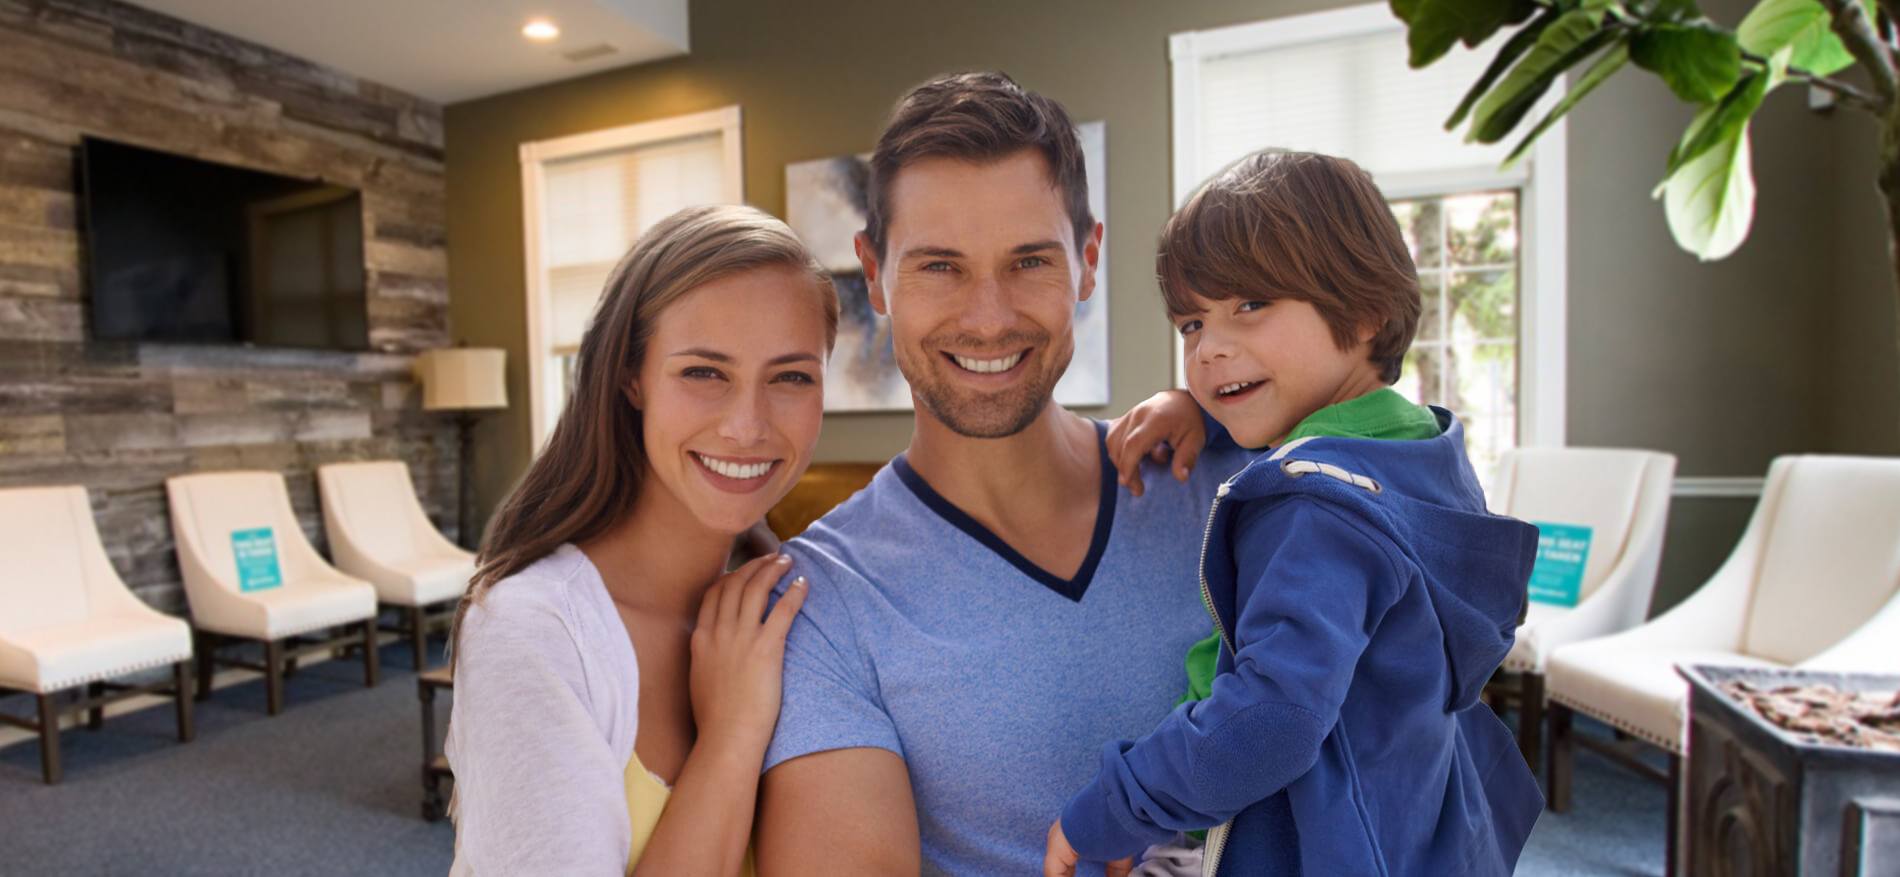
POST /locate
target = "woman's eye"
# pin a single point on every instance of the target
(797, 378)
(700, 372)
(1188, 327)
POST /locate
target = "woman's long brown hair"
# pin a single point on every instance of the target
(589, 474)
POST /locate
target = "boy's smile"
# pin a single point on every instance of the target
(1260, 367)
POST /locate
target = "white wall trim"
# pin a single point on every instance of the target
(726, 121)
(1542, 179)
(1726, 487)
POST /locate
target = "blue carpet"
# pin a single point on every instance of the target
(331, 786)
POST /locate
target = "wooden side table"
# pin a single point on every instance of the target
(435, 765)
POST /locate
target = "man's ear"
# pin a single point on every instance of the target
(1091, 263)
(867, 257)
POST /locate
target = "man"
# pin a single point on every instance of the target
(994, 607)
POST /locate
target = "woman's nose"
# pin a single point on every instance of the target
(744, 422)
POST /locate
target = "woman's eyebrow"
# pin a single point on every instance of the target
(716, 356)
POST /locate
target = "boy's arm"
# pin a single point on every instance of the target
(1168, 427)
(1314, 585)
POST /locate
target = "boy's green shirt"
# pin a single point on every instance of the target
(1380, 414)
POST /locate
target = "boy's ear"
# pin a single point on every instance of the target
(1368, 331)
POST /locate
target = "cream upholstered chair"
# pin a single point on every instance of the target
(207, 508)
(67, 620)
(1812, 584)
(379, 533)
(1623, 497)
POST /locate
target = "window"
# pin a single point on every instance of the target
(587, 198)
(1488, 242)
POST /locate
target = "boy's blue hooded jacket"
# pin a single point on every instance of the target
(1364, 596)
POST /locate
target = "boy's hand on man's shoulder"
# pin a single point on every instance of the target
(1168, 425)
(1059, 860)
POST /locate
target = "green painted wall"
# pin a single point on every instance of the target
(1774, 351)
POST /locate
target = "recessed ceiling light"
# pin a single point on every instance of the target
(540, 30)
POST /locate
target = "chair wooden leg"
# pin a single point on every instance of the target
(49, 740)
(419, 635)
(181, 694)
(369, 654)
(274, 676)
(96, 715)
(1530, 718)
(1561, 754)
(1672, 821)
(204, 650)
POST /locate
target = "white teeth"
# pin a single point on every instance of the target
(987, 366)
(741, 471)
(1234, 387)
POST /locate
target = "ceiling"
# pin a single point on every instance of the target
(448, 50)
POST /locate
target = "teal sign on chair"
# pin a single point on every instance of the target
(1562, 551)
(256, 553)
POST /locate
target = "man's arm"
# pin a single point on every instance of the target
(843, 811)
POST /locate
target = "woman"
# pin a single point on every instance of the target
(605, 669)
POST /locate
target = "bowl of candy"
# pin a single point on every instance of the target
(1792, 772)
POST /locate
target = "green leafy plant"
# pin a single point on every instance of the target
(1708, 186)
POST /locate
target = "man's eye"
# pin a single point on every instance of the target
(1031, 262)
(939, 266)
(1188, 327)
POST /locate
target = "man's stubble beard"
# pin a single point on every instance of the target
(986, 415)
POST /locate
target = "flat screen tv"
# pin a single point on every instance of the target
(182, 250)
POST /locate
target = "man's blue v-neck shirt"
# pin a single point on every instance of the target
(996, 681)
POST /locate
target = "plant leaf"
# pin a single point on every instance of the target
(1606, 64)
(1513, 49)
(1434, 26)
(1699, 63)
(1803, 24)
(1710, 202)
(1722, 121)
(1574, 36)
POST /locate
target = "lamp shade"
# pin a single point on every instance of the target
(460, 378)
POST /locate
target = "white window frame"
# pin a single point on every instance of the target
(1541, 179)
(535, 157)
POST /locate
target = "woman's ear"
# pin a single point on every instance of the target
(633, 394)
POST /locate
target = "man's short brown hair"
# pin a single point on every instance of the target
(980, 117)
(1302, 226)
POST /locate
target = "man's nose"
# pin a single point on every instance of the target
(986, 308)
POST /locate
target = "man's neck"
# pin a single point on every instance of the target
(1019, 477)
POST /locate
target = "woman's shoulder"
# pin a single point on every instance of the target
(556, 597)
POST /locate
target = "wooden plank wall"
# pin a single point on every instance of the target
(120, 418)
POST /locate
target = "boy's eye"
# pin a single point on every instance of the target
(1250, 305)
(1188, 327)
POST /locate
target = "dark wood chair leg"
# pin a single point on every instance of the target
(1672, 821)
(96, 715)
(419, 635)
(1530, 718)
(274, 676)
(1561, 754)
(49, 740)
(369, 654)
(181, 693)
(204, 648)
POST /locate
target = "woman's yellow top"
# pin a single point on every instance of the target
(646, 800)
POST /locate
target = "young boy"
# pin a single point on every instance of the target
(1361, 594)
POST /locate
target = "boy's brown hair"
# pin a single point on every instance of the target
(980, 116)
(1303, 226)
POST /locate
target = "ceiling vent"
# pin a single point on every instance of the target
(589, 53)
